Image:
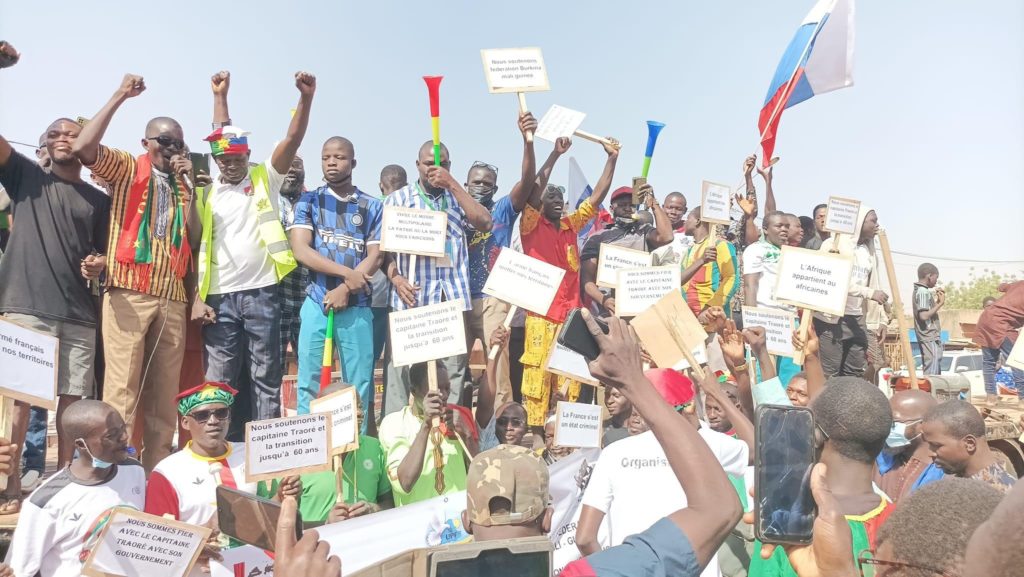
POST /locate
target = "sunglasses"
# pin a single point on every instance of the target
(168, 141)
(867, 558)
(203, 415)
(489, 167)
(506, 421)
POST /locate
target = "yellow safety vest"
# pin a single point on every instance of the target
(272, 234)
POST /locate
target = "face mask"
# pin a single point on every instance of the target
(482, 193)
(898, 436)
(96, 463)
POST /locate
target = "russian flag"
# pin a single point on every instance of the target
(579, 190)
(819, 59)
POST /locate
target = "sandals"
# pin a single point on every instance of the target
(11, 505)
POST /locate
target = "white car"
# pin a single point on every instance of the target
(966, 363)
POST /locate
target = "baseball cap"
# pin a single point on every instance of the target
(621, 191)
(510, 472)
(673, 386)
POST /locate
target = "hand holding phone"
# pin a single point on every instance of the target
(784, 507)
(576, 336)
(250, 519)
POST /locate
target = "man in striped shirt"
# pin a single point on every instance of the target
(144, 308)
(435, 280)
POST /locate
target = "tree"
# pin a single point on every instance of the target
(969, 294)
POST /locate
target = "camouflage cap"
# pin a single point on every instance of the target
(510, 472)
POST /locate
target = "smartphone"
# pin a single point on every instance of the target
(576, 336)
(200, 164)
(250, 519)
(785, 453)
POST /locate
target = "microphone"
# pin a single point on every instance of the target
(215, 469)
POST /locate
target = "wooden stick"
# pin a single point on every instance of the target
(805, 325)
(524, 110)
(339, 472)
(493, 354)
(432, 386)
(596, 138)
(6, 428)
(897, 305)
(410, 274)
(835, 242)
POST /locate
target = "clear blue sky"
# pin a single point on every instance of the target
(932, 133)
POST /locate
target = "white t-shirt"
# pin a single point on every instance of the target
(183, 486)
(673, 252)
(55, 521)
(240, 260)
(764, 257)
(633, 483)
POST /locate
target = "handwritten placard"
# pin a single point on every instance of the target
(814, 280)
(426, 333)
(640, 288)
(134, 543)
(514, 70)
(841, 216)
(716, 201)
(29, 360)
(577, 425)
(288, 446)
(611, 259)
(568, 363)
(524, 281)
(558, 122)
(778, 328)
(341, 406)
(668, 326)
(414, 231)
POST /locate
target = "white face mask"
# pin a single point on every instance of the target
(97, 463)
(898, 435)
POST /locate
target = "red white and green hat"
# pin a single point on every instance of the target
(228, 140)
(207, 393)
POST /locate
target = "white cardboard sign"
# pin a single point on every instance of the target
(641, 288)
(414, 231)
(524, 281)
(287, 446)
(426, 333)
(578, 425)
(341, 406)
(514, 70)
(568, 363)
(559, 122)
(716, 202)
(778, 328)
(135, 543)
(841, 217)
(611, 259)
(814, 280)
(29, 364)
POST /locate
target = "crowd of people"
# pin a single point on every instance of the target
(156, 265)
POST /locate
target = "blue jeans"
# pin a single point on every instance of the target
(353, 343)
(34, 453)
(989, 359)
(248, 330)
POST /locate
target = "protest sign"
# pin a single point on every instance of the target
(514, 70)
(568, 363)
(778, 328)
(1016, 358)
(29, 360)
(524, 281)
(577, 425)
(813, 280)
(134, 543)
(341, 406)
(568, 480)
(640, 288)
(716, 201)
(247, 561)
(368, 540)
(559, 122)
(289, 446)
(611, 259)
(414, 231)
(700, 355)
(427, 333)
(841, 217)
(669, 330)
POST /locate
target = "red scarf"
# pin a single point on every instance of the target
(133, 251)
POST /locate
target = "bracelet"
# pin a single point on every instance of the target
(216, 125)
(740, 369)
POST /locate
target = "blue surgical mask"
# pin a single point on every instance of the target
(96, 463)
(898, 436)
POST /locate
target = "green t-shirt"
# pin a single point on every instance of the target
(397, 432)
(319, 490)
